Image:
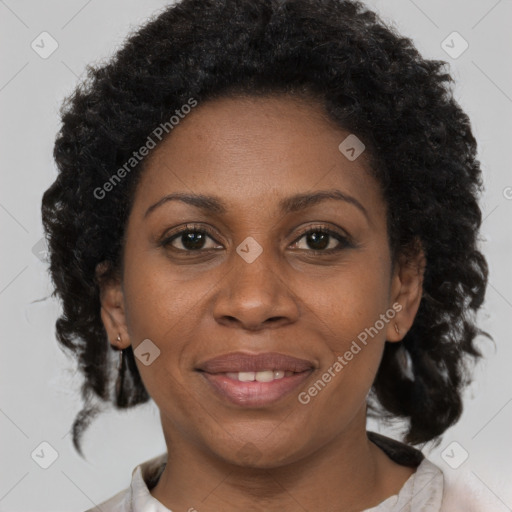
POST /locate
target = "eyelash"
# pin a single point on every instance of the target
(344, 242)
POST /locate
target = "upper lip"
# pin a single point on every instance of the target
(243, 362)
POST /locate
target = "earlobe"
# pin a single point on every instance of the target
(407, 291)
(112, 309)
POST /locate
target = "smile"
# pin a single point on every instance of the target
(255, 389)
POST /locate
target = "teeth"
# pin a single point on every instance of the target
(266, 376)
(263, 376)
(246, 376)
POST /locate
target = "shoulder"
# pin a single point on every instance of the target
(117, 503)
(465, 492)
(439, 487)
(137, 496)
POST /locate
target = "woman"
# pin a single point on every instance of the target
(270, 209)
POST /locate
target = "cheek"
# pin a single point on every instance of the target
(353, 301)
(354, 336)
(159, 300)
(162, 307)
(353, 316)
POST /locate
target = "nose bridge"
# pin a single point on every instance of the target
(255, 269)
(254, 290)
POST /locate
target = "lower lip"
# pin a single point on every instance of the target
(254, 394)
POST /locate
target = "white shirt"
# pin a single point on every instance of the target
(428, 489)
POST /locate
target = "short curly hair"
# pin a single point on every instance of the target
(373, 83)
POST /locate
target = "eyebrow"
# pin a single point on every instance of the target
(213, 204)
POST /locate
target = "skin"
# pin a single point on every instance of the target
(252, 153)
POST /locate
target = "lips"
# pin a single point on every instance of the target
(255, 380)
(242, 362)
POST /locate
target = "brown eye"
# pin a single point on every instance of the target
(189, 240)
(192, 240)
(322, 240)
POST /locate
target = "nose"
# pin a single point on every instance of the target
(255, 295)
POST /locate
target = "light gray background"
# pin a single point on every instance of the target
(39, 387)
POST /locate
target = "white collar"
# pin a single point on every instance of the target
(422, 492)
(140, 498)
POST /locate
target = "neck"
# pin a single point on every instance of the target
(348, 469)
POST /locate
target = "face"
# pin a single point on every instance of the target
(258, 269)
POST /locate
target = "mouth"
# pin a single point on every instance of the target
(257, 380)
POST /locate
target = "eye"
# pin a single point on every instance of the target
(318, 239)
(190, 239)
(322, 239)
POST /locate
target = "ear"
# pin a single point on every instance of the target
(112, 306)
(406, 291)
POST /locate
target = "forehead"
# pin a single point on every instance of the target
(254, 150)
